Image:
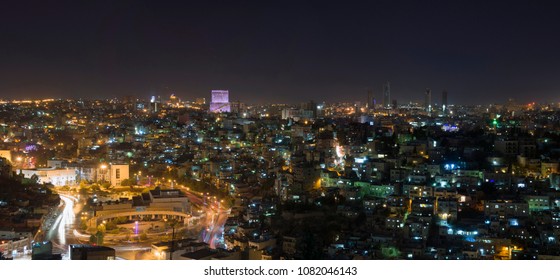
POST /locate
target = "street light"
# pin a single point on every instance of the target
(37, 236)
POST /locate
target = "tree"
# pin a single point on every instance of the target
(390, 252)
(143, 236)
(101, 228)
(99, 236)
(83, 226)
(121, 220)
(128, 182)
(111, 225)
(34, 179)
(96, 238)
(83, 184)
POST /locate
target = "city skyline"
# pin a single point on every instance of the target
(166, 180)
(479, 52)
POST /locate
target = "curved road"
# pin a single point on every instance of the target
(215, 218)
(61, 234)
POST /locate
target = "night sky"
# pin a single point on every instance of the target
(281, 51)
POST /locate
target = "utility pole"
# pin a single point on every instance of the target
(172, 223)
(172, 242)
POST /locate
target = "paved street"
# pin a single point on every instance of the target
(63, 231)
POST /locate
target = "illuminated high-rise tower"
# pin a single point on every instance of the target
(155, 103)
(444, 101)
(220, 102)
(428, 100)
(387, 94)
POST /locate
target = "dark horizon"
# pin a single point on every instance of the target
(288, 52)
